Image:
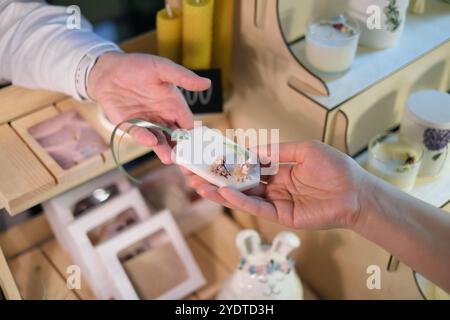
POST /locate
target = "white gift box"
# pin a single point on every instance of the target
(123, 288)
(82, 244)
(60, 210)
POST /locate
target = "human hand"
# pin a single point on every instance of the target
(144, 86)
(323, 188)
(318, 187)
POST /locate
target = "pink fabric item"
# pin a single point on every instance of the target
(68, 138)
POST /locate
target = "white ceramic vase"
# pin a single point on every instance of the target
(381, 21)
(265, 272)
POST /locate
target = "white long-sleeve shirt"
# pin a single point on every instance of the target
(38, 49)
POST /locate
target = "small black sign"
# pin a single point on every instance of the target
(208, 101)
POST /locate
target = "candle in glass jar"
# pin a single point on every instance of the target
(168, 32)
(331, 44)
(197, 33)
(394, 160)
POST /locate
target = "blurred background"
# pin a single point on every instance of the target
(117, 20)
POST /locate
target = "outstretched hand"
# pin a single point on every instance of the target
(145, 86)
(316, 187)
(322, 188)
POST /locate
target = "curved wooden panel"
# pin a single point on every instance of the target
(265, 32)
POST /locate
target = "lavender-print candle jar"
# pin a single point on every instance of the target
(427, 121)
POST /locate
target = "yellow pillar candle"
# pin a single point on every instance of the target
(197, 33)
(168, 31)
(223, 38)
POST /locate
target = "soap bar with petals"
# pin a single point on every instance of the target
(217, 159)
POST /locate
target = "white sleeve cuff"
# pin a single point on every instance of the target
(85, 66)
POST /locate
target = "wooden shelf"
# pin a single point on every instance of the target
(433, 191)
(421, 35)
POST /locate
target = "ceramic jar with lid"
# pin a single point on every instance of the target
(427, 121)
(391, 15)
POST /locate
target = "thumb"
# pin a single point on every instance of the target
(171, 72)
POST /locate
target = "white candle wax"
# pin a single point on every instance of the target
(331, 45)
(395, 162)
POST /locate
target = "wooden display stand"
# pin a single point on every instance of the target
(273, 89)
(268, 82)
